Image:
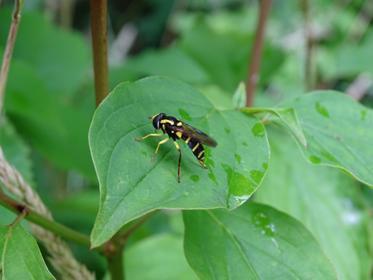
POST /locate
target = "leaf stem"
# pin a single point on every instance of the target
(256, 51)
(42, 221)
(16, 18)
(19, 218)
(115, 266)
(99, 46)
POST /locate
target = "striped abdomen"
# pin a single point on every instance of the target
(196, 147)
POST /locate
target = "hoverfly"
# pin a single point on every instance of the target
(176, 129)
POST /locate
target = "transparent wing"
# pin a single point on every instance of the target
(198, 134)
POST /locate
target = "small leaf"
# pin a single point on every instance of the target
(287, 116)
(239, 96)
(133, 182)
(20, 255)
(339, 132)
(252, 242)
(166, 261)
(317, 196)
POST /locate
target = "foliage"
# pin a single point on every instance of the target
(20, 255)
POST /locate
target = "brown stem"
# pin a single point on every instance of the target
(115, 247)
(16, 18)
(256, 51)
(19, 218)
(308, 71)
(99, 46)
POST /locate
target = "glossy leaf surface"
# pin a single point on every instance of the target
(133, 182)
(252, 242)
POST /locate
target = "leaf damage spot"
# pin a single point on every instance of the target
(321, 110)
(258, 130)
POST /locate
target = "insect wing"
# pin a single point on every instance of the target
(198, 134)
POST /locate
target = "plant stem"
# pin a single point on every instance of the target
(42, 221)
(16, 18)
(115, 266)
(114, 249)
(308, 68)
(256, 51)
(19, 218)
(99, 46)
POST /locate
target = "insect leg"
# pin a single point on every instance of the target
(149, 135)
(179, 162)
(160, 143)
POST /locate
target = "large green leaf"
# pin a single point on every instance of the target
(60, 58)
(252, 242)
(132, 183)
(57, 129)
(316, 196)
(339, 132)
(20, 255)
(166, 261)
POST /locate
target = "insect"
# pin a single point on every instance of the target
(176, 129)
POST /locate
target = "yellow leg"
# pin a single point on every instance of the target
(160, 143)
(179, 162)
(149, 135)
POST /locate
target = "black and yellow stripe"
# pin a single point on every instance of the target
(196, 147)
(176, 129)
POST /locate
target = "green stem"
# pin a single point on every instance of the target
(116, 267)
(16, 18)
(42, 221)
(99, 46)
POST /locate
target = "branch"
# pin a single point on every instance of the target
(308, 68)
(16, 17)
(99, 46)
(42, 221)
(359, 87)
(114, 248)
(256, 51)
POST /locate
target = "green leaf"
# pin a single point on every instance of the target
(132, 183)
(166, 261)
(20, 255)
(60, 58)
(286, 116)
(252, 242)
(55, 128)
(321, 198)
(15, 149)
(339, 132)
